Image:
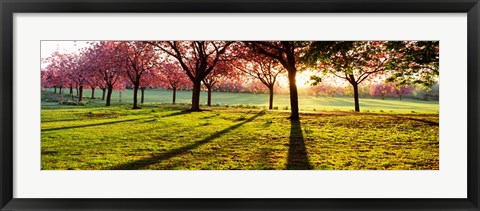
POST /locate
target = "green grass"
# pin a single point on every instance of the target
(306, 103)
(161, 136)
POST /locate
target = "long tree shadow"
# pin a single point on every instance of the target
(178, 113)
(142, 163)
(91, 125)
(297, 152)
(430, 123)
(61, 120)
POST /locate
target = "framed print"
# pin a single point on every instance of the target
(267, 105)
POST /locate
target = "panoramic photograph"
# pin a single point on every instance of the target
(239, 105)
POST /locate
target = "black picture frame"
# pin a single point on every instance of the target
(9, 7)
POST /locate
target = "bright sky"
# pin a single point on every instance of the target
(303, 79)
(49, 47)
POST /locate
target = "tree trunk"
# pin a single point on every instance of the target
(71, 90)
(355, 97)
(103, 93)
(135, 94)
(293, 94)
(93, 93)
(76, 89)
(270, 102)
(209, 96)
(383, 97)
(60, 91)
(109, 95)
(400, 97)
(143, 95)
(54, 90)
(196, 96)
(174, 95)
(80, 93)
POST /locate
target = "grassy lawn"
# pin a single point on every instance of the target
(282, 102)
(161, 136)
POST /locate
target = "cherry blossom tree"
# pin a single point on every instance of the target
(44, 79)
(95, 81)
(256, 87)
(354, 61)
(108, 59)
(287, 53)
(221, 72)
(173, 77)
(234, 86)
(197, 59)
(402, 90)
(151, 79)
(263, 68)
(92, 66)
(417, 62)
(383, 90)
(69, 65)
(51, 78)
(80, 73)
(141, 58)
(317, 90)
(56, 75)
(326, 90)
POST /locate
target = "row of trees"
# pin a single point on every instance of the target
(380, 90)
(390, 90)
(110, 65)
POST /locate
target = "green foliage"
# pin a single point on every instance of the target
(409, 62)
(417, 62)
(315, 52)
(315, 80)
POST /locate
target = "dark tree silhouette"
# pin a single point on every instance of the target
(197, 58)
(287, 53)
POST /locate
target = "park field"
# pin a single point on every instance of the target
(281, 101)
(238, 133)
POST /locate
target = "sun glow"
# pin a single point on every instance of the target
(302, 79)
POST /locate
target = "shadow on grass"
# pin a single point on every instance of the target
(57, 106)
(297, 152)
(211, 116)
(60, 120)
(178, 113)
(91, 125)
(430, 123)
(143, 163)
(267, 124)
